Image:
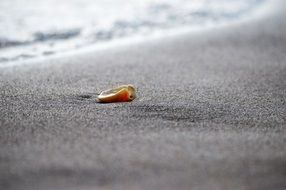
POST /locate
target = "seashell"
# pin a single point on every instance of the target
(123, 93)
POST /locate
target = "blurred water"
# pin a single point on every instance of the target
(33, 28)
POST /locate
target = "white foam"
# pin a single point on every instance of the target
(155, 34)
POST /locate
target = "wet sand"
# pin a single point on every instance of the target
(210, 114)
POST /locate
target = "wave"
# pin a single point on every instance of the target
(45, 27)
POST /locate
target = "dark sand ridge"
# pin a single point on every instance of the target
(210, 114)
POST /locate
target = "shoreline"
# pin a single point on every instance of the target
(266, 9)
(210, 114)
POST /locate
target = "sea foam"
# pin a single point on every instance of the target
(36, 28)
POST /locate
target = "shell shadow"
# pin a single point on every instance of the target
(179, 113)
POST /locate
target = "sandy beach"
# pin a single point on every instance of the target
(210, 114)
